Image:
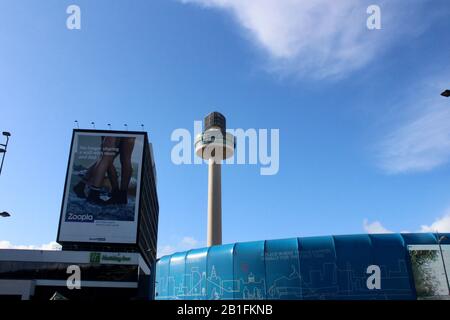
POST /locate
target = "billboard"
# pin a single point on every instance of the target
(101, 196)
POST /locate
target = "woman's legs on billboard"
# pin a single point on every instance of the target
(112, 176)
(104, 164)
(126, 147)
(126, 150)
(80, 187)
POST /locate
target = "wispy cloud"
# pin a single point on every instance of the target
(320, 38)
(48, 246)
(329, 38)
(186, 243)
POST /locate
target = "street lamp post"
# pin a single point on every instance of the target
(445, 93)
(4, 147)
(441, 238)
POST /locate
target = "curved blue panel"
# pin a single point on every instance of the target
(196, 261)
(391, 256)
(317, 267)
(177, 285)
(419, 238)
(353, 256)
(219, 276)
(282, 270)
(339, 267)
(249, 271)
(161, 278)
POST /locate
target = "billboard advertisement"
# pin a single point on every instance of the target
(101, 197)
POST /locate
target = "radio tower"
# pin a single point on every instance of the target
(214, 145)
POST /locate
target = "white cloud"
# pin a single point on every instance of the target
(319, 38)
(186, 243)
(48, 246)
(422, 141)
(441, 224)
(374, 227)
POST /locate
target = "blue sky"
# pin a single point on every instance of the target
(364, 133)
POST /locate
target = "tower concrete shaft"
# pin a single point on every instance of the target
(214, 203)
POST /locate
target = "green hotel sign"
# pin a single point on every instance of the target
(95, 257)
(98, 257)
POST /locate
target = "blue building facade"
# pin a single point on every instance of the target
(310, 268)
